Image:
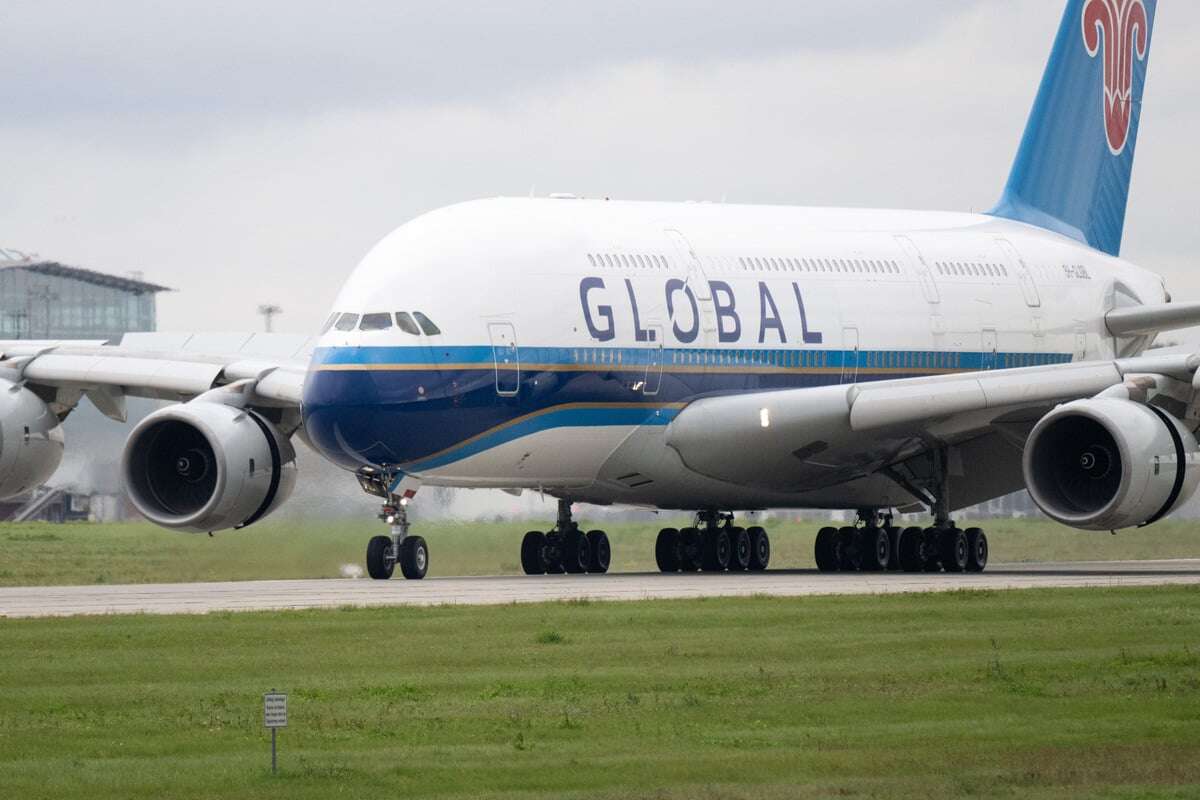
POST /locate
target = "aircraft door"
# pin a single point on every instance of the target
(697, 281)
(850, 355)
(506, 358)
(1024, 277)
(988, 357)
(924, 274)
(654, 362)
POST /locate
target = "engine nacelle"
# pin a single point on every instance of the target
(206, 466)
(1106, 463)
(31, 440)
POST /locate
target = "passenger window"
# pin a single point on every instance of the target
(347, 322)
(427, 326)
(406, 324)
(375, 322)
(329, 322)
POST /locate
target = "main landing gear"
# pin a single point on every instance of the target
(565, 549)
(713, 544)
(877, 546)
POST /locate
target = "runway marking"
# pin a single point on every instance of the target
(203, 598)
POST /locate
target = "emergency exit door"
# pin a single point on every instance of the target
(506, 358)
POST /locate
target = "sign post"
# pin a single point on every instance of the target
(274, 717)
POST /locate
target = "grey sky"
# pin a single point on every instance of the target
(252, 152)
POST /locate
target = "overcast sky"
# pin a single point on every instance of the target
(252, 152)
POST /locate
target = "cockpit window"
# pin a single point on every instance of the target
(426, 324)
(329, 322)
(375, 322)
(405, 321)
(347, 322)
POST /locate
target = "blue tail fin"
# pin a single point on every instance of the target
(1072, 172)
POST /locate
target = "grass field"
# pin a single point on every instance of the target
(32, 554)
(1034, 694)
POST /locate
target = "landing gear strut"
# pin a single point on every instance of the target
(399, 547)
(713, 544)
(565, 548)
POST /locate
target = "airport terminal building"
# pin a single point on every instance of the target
(43, 299)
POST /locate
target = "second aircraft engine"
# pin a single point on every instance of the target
(31, 440)
(206, 466)
(1106, 463)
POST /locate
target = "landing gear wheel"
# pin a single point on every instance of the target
(414, 558)
(691, 550)
(533, 558)
(910, 550)
(849, 557)
(739, 550)
(954, 554)
(977, 550)
(666, 550)
(716, 550)
(380, 563)
(827, 550)
(600, 551)
(874, 549)
(894, 549)
(760, 549)
(553, 554)
(575, 555)
(931, 550)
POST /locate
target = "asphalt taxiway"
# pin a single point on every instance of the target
(201, 598)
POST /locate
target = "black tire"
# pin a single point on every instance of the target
(894, 549)
(533, 556)
(716, 550)
(414, 558)
(826, 550)
(575, 552)
(911, 559)
(849, 557)
(931, 550)
(691, 550)
(760, 549)
(954, 555)
(739, 550)
(379, 565)
(977, 550)
(600, 552)
(666, 550)
(874, 549)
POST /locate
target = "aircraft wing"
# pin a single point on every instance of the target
(269, 367)
(834, 434)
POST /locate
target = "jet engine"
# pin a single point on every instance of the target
(205, 466)
(1109, 463)
(31, 440)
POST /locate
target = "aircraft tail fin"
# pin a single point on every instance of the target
(1073, 168)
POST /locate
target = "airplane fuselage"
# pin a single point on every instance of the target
(570, 333)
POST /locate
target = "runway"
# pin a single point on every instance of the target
(202, 598)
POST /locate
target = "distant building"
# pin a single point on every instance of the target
(42, 299)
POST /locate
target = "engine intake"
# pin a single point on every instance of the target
(31, 440)
(1107, 463)
(206, 466)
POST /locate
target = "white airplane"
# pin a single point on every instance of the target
(708, 358)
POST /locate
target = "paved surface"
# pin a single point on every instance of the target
(199, 598)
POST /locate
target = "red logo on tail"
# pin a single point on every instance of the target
(1121, 29)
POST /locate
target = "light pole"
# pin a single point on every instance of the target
(269, 312)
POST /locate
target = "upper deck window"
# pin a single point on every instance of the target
(427, 326)
(375, 322)
(405, 321)
(347, 322)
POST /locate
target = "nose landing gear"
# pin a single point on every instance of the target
(400, 547)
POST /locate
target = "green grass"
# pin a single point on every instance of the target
(43, 554)
(1042, 694)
